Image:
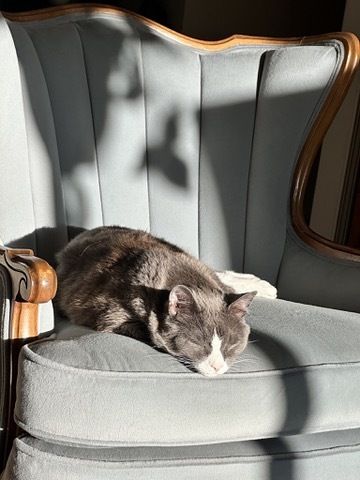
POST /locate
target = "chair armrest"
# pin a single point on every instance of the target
(329, 276)
(27, 281)
(33, 281)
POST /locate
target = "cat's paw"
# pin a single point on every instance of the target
(245, 282)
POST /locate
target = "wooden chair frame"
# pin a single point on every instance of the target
(33, 281)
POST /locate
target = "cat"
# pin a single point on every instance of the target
(116, 279)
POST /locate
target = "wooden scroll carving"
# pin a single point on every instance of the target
(33, 281)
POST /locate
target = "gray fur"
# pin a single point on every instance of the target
(115, 279)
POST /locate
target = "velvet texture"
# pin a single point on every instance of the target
(113, 119)
(104, 121)
(327, 456)
(292, 379)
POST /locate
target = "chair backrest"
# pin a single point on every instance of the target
(110, 119)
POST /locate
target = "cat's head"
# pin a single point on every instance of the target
(205, 330)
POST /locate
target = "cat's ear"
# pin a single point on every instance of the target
(180, 299)
(238, 303)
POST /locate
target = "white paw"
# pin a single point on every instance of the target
(246, 282)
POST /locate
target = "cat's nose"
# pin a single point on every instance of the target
(212, 367)
(219, 366)
(216, 364)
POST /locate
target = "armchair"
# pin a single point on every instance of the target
(109, 118)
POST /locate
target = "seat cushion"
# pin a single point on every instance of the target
(323, 456)
(300, 373)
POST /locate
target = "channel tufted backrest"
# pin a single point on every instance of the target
(122, 123)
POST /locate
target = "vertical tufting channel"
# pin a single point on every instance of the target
(229, 86)
(60, 53)
(44, 169)
(113, 62)
(15, 186)
(172, 86)
(292, 87)
(145, 160)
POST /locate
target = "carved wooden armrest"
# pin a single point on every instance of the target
(33, 281)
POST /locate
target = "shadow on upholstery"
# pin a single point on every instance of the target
(277, 353)
(233, 191)
(291, 401)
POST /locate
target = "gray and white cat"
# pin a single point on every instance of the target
(115, 279)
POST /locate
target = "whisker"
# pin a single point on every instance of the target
(247, 355)
(151, 355)
(247, 361)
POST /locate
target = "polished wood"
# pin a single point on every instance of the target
(24, 320)
(33, 279)
(94, 8)
(320, 126)
(308, 154)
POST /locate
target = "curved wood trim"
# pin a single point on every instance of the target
(33, 280)
(313, 142)
(319, 128)
(94, 8)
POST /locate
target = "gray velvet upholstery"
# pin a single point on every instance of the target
(326, 456)
(310, 277)
(291, 380)
(106, 121)
(141, 118)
